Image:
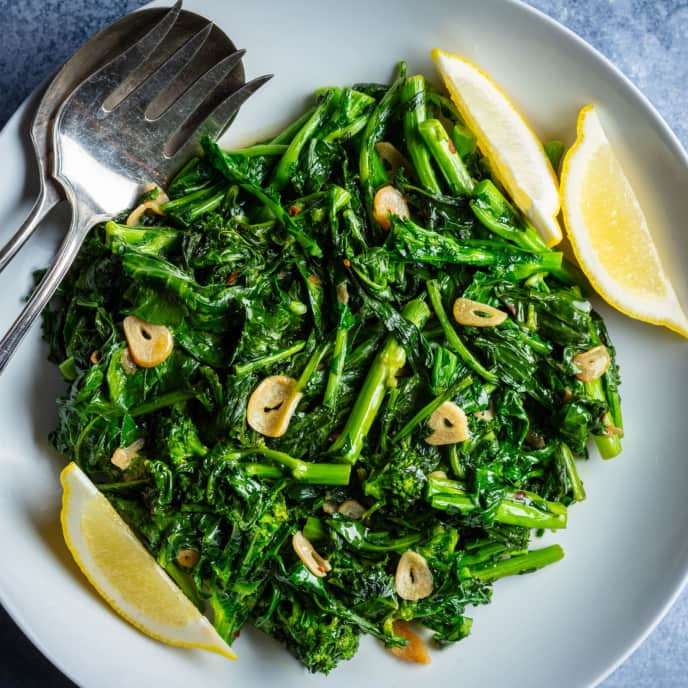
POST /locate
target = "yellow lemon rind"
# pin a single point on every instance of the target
(554, 233)
(675, 326)
(64, 514)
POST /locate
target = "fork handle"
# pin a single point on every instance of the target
(40, 297)
(47, 199)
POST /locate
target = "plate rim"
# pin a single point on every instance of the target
(666, 133)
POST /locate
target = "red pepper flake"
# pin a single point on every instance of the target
(511, 308)
(520, 494)
(294, 210)
(237, 634)
(452, 147)
(321, 570)
(95, 357)
(347, 263)
(232, 277)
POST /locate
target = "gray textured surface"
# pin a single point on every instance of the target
(647, 40)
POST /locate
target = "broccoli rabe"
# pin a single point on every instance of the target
(280, 263)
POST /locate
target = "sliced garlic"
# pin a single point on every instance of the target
(389, 201)
(592, 364)
(311, 559)
(188, 558)
(413, 578)
(351, 509)
(123, 456)
(415, 650)
(149, 345)
(152, 204)
(476, 314)
(272, 404)
(391, 155)
(449, 424)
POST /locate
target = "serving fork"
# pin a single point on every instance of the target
(125, 127)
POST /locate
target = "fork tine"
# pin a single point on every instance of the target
(188, 102)
(144, 95)
(182, 144)
(109, 79)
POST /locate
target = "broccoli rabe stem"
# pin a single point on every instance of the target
(336, 367)
(413, 95)
(285, 167)
(268, 360)
(445, 155)
(161, 401)
(518, 508)
(463, 140)
(286, 135)
(453, 339)
(500, 217)
(443, 106)
(609, 446)
(521, 563)
(260, 150)
(381, 376)
(371, 171)
(303, 471)
(568, 462)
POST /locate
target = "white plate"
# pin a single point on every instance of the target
(626, 549)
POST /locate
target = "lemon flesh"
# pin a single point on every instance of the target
(123, 571)
(516, 155)
(609, 232)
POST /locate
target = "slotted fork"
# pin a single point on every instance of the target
(107, 147)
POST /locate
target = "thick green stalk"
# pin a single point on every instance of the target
(452, 337)
(289, 160)
(568, 462)
(522, 563)
(463, 140)
(261, 470)
(500, 217)
(609, 446)
(371, 171)
(382, 375)
(260, 150)
(413, 95)
(303, 471)
(312, 365)
(444, 105)
(161, 401)
(519, 508)
(286, 136)
(445, 155)
(265, 361)
(336, 367)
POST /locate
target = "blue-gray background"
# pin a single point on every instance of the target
(647, 39)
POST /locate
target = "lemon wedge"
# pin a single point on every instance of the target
(120, 568)
(609, 232)
(516, 155)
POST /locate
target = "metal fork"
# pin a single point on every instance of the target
(107, 147)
